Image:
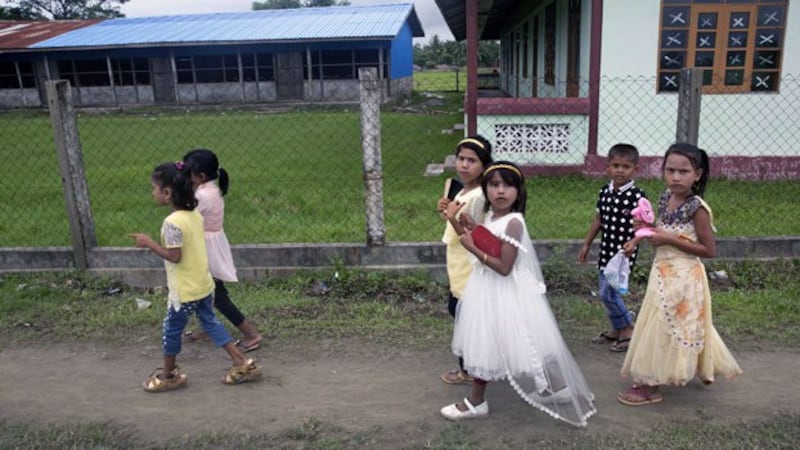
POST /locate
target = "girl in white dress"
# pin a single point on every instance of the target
(210, 184)
(504, 328)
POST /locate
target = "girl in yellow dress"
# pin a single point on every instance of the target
(473, 155)
(674, 339)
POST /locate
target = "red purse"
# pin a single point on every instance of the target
(486, 241)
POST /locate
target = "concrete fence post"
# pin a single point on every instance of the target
(370, 96)
(689, 93)
(73, 175)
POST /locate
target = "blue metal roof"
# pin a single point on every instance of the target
(335, 22)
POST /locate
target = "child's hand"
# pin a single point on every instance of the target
(467, 222)
(453, 208)
(466, 240)
(629, 247)
(583, 254)
(661, 237)
(142, 240)
(441, 206)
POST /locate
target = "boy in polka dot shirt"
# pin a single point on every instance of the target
(613, 219)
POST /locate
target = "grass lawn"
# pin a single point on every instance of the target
(444, 80)
(297, 177)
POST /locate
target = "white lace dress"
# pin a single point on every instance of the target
(505, 330)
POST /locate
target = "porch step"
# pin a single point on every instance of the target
(433, 170)
(454, 128)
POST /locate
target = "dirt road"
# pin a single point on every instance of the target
(354, 385)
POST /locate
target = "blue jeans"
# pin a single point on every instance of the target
(175, 322)
(617, 313)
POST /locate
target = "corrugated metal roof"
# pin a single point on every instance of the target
(336, 22)
(19, 34)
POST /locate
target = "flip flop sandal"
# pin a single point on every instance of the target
(155, 384)
(248, 371)
(456, 377)
(247, 348)
(621, 346)
(645, 397)
(604, 338)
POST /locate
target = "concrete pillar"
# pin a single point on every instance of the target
(73, 175)
(371, 147)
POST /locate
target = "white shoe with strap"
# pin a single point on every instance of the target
(451, 412)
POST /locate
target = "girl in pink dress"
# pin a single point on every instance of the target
(205, 169)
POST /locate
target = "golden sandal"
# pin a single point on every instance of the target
(154, 383)
(248, 371)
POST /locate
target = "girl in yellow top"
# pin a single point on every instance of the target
(473, 155)
(189, 282)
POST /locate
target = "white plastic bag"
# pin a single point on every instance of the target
(617, 272)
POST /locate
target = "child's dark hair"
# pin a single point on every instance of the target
(478, 144)
(512, 175)
(177, 177)
(203, 161)
(699, 159)
(628, 151)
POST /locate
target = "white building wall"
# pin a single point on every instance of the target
(746, 124)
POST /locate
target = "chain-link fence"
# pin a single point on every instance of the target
(297, 170)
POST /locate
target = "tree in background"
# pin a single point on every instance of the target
(277, 4)
(61, 9)
(288, 4)
(19, 13)
(321, 3)
(452, 53)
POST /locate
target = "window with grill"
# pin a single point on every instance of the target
(344, 64)
(737, 43)
(130, 71)
(14, 75)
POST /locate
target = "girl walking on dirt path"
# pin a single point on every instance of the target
(205, 169)
(504, 326)
(473, 155)
(674, 339)
(189, 282)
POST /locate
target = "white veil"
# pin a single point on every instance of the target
(550, 379)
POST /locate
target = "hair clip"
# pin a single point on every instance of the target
(472, 141)
(179, 165)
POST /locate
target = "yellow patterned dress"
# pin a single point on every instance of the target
(674, 339)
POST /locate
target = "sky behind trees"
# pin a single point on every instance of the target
(428, 13)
